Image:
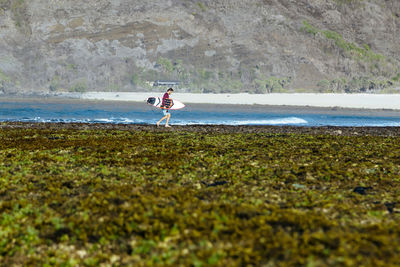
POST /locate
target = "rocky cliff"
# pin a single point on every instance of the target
(209, 46)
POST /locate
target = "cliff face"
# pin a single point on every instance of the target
(210, 46)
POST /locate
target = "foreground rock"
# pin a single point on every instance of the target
(115, 195)
(329, 130)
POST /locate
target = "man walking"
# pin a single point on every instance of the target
(165, 107)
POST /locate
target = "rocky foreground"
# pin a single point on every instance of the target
(211, 129)
(137, 195)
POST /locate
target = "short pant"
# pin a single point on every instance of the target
(165, 112)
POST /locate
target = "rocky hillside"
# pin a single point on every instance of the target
(209, 46)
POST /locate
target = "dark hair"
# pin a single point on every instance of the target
(170, 89)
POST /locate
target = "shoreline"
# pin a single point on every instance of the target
(389, 102)
(274, 109)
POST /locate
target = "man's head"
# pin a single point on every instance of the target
(170, 90)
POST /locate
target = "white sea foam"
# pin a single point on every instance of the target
(104, 120)
(223, 121)
(80, 120)
(280, 121)
(385, 124)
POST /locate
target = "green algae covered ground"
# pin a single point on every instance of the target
(87, 195)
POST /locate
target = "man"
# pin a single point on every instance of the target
(167, 115)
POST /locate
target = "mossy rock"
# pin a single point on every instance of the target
(115, 196)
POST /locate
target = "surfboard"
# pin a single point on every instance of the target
(169, 103)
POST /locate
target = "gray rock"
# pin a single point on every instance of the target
(121, 44)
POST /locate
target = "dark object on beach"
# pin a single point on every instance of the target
(361, 189)
(151, 100)
(215, 183)
(390, 206)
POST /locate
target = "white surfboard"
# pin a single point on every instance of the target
(170, 103)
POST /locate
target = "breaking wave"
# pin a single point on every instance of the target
(135, 114)
(223, 121)
(87, 120)
(280, 121)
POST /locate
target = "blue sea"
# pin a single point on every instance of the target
(69, 111)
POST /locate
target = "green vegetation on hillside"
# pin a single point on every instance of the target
(79, 87)
(351, 49)
(4, 80)
(88, 197)
(204, 80)
(18, 9)
(375, 62)
(55, 83)
(166, 64)
(4, 77)
(357, 85)
(202, 6)
(341, 2)
(273, 84)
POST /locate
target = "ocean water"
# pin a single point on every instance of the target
(69, 111)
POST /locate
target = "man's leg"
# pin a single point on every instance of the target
(168, 117)
(163, 118)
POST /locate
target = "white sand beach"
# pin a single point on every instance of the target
(359, 101)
